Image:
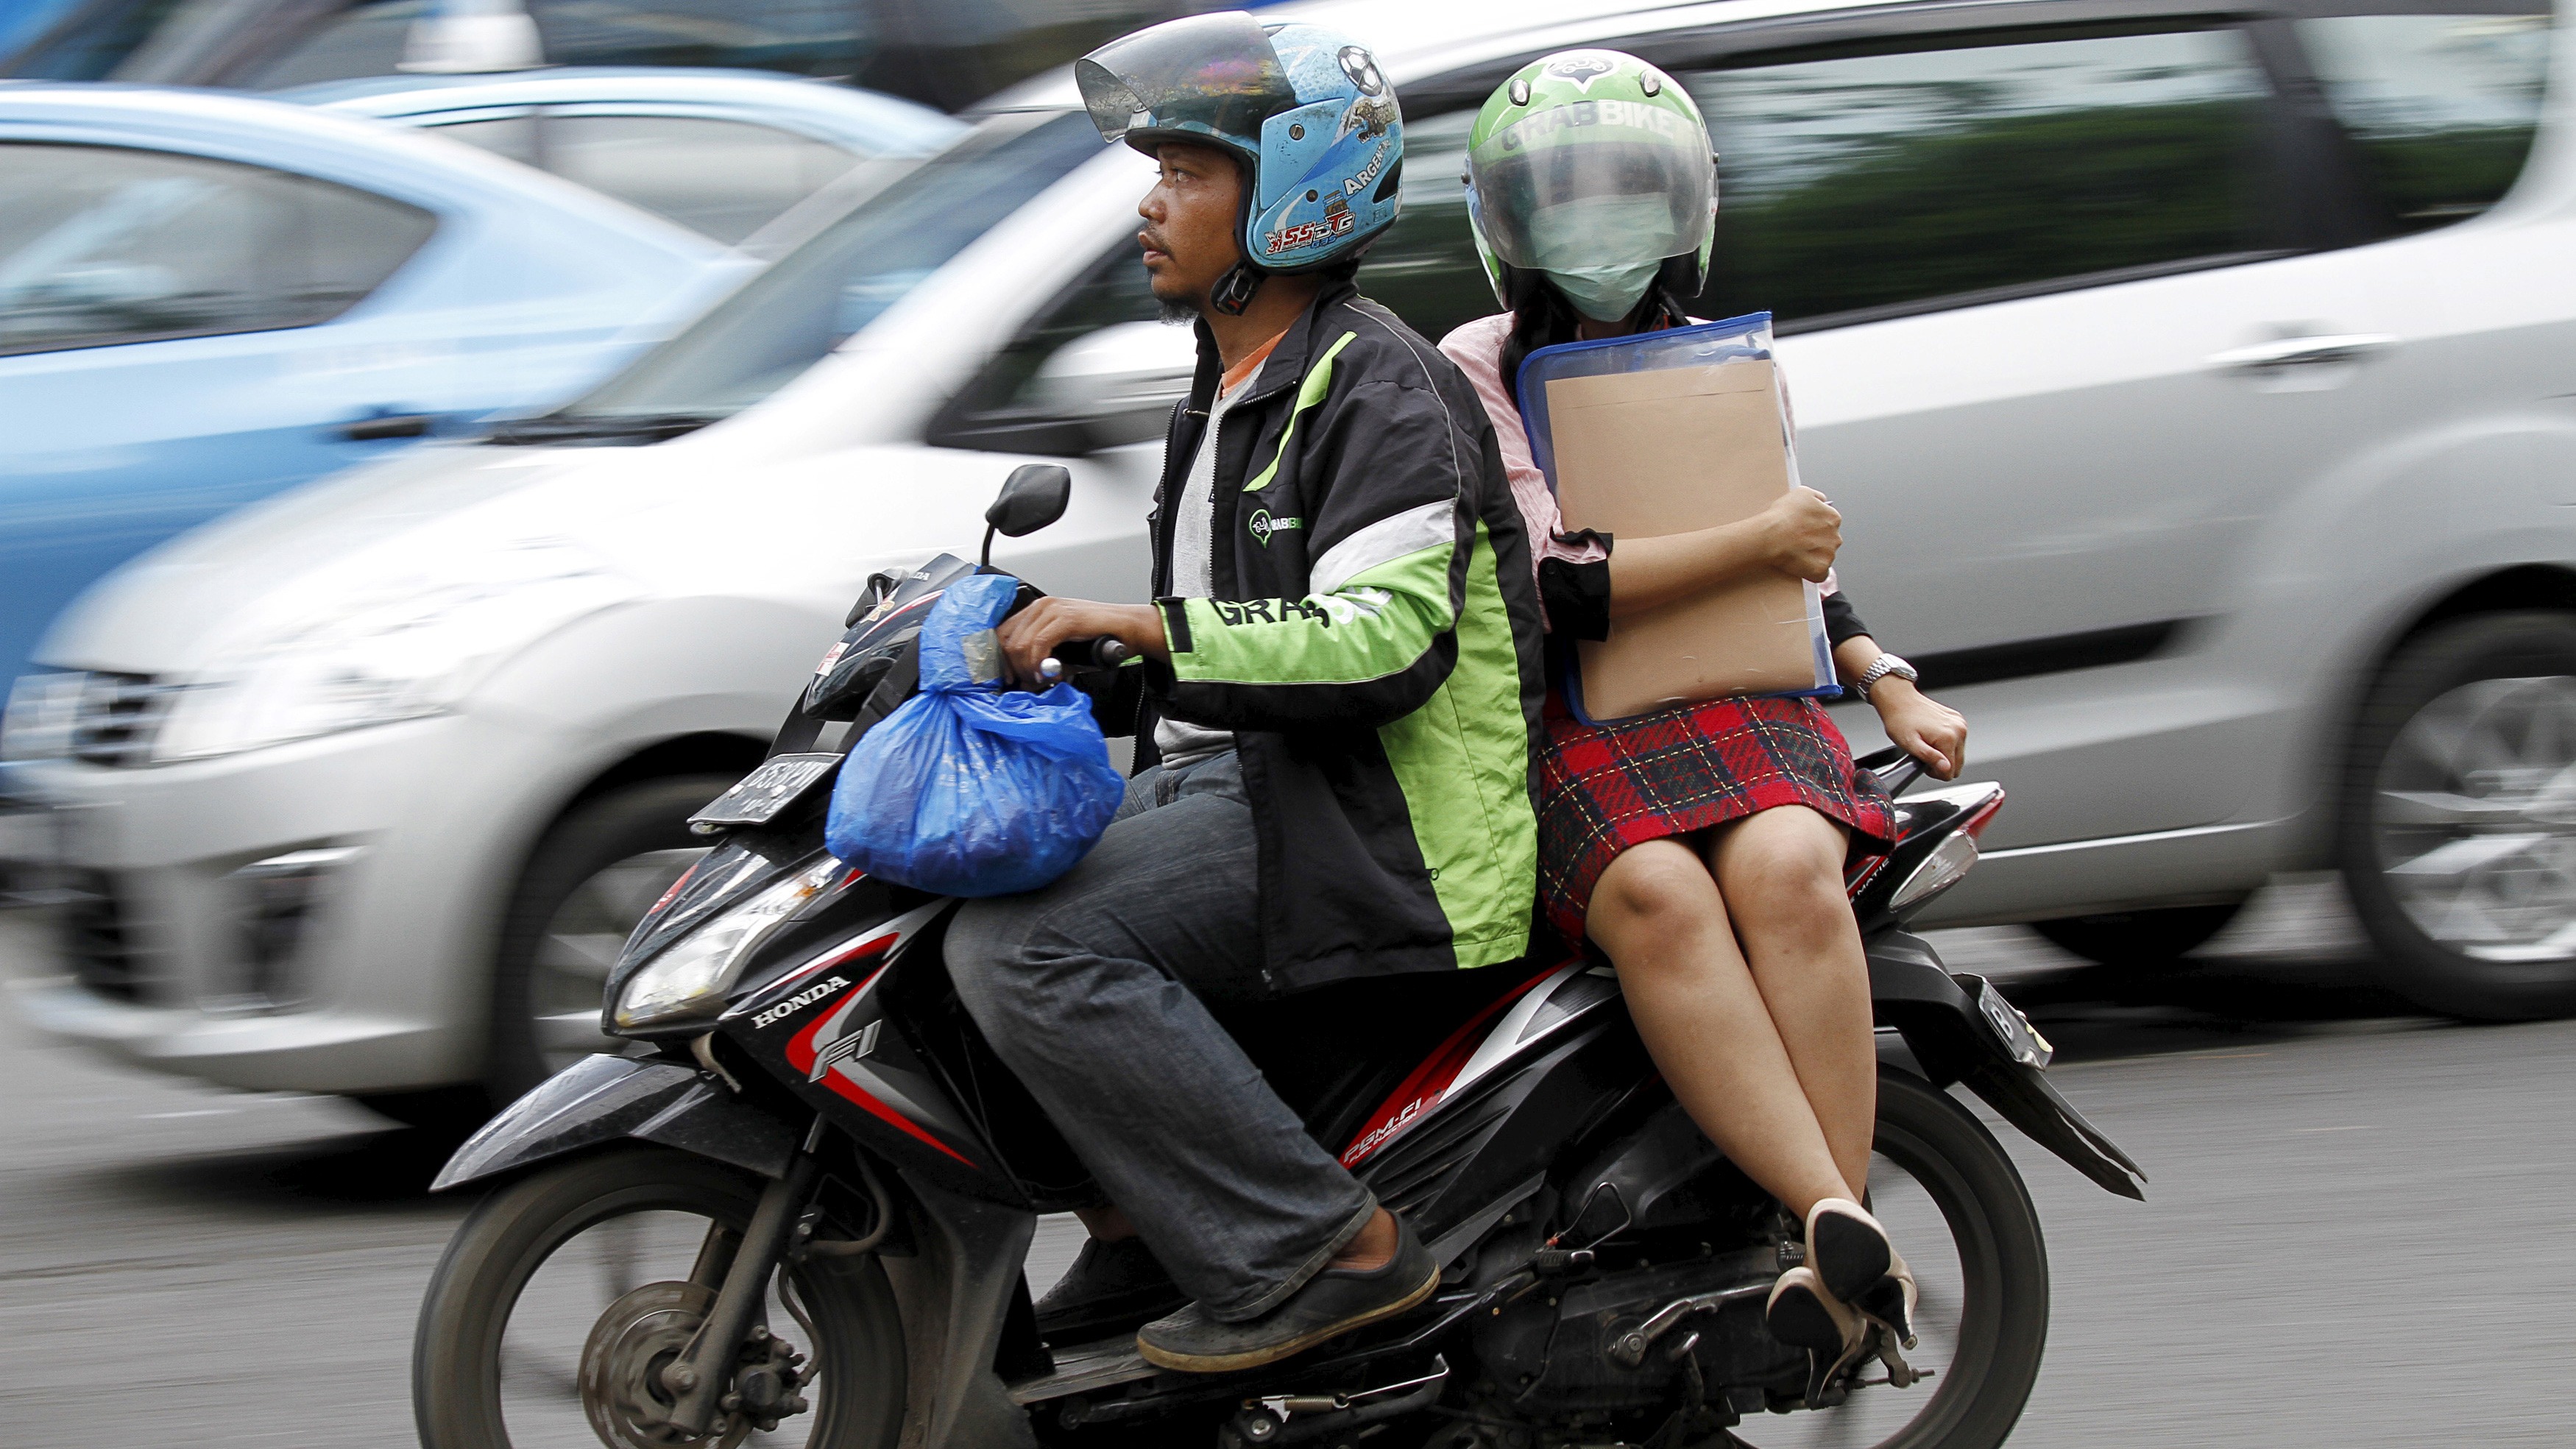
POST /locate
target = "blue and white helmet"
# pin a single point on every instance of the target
(1304, 107)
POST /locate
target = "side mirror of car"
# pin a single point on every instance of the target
(1033, 496)
(1118, 384)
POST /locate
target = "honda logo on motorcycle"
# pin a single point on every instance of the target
(802, 999)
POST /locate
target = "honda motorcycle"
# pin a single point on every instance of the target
(799, 1209)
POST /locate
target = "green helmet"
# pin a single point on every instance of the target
(1593, 169)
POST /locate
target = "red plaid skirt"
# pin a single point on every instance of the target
(1603, 788)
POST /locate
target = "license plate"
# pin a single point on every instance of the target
(766, 793)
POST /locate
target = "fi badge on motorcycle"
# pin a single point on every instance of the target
(768, 793)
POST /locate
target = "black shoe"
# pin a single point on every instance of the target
(1111, 1288)
(1332, 1303)
(1847, 1247)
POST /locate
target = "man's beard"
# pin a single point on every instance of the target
(1172, 312)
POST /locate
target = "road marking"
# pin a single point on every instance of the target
(199, 1112)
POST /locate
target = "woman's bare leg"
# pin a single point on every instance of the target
(1658, 914)
(1781, 875)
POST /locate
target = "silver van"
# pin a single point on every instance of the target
(2196, 389)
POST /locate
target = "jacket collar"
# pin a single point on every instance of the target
(1287, 363)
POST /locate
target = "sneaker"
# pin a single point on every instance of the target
(1111, 1288)
(1332, 1303)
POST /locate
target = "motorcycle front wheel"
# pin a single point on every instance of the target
(563, 1295)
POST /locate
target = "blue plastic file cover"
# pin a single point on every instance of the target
(1746, 339)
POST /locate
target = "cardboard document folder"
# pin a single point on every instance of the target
(1675, 450)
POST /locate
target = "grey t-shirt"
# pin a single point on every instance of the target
(1194, 573)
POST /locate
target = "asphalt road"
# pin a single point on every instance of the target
(2357, 1234)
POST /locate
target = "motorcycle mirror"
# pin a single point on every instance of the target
(1034, 497)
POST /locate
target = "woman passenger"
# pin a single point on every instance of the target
(1701, 846)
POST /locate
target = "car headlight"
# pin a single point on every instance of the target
(42, 708)
(689, 979)
(403, 649)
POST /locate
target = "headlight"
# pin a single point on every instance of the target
(691, 976)
(42, 708)
(404, 649)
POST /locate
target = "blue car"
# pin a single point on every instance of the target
(205, 299)
(722, 152)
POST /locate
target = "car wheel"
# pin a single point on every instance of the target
(2457, 833)
(2139, 938)
(591, 878)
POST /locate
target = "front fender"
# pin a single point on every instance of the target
(604, 1099)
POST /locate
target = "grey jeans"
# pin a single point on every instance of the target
(1095, 991)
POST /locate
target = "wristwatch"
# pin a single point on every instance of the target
(1880, 668)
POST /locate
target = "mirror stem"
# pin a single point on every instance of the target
(988, 546)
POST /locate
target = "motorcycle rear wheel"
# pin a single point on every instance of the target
(1937, 1146)
(471, 1376)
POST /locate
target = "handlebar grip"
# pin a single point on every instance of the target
(1103, 652)
(1897, 771)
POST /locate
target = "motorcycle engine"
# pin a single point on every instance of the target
(1555, 1352)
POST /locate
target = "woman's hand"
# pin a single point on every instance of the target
(1929, 730)
(1802, 533)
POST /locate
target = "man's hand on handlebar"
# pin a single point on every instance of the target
(1030, 636)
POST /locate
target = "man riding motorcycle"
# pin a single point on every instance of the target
(1335, 701)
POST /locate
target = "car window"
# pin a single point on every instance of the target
(806, 37)
(811, 300)
(812, 37)
(514, 137)
(1424, 269)
(100, 246)
(723, 179)
(364, 39)
(1017, 403)
(88, 43)
(2444, 106)
(1884, 181)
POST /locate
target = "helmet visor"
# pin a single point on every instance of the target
(1594, 184)
(1211, 75)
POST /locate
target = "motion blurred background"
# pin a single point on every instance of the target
(436, 435)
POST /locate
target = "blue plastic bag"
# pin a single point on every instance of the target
(968, 789)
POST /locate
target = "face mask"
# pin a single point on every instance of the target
(1605, 294)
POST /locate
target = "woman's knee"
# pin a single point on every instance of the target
(1657, 887)
(1788, 874)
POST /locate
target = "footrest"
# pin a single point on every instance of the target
(1085, 1367)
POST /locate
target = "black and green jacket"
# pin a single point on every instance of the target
(1373, 642)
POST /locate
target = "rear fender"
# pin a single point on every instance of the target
(1960, 1029)
(602, 1100)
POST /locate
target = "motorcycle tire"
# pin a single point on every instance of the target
(2413, 697)
(457, 1373)
(2003, 1262)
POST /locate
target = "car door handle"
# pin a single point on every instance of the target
(388, 425)
(2303, 352)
